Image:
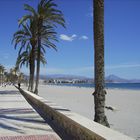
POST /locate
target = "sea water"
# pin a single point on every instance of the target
(130, 86)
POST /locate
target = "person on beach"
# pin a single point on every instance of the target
(18, 85)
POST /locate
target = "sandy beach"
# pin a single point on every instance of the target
(125, 118)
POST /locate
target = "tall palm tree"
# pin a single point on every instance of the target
(99, 94)
(13, 75)
(6, 77)
(21, 77)
(0, 72)
(45, 37)
(2, 69)
(47, 17)
(27, 39)
(25, 59)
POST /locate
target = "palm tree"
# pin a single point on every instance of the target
(21, 77)
(99, 94)
(47, 17)
(6, 77)
(0, 72)
(2, 69)
(25, 59)
(13, 75)
(45, 37)
(27, 39)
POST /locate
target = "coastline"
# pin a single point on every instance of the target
(122, 86)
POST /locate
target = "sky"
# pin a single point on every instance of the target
(75, 55)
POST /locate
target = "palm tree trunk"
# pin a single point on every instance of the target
(0, 78)
(40, 22)
(32, 66)
(38, 67)
(99, 94)
(32, 77)
(32, 69)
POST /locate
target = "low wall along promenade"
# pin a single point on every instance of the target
(69, 125)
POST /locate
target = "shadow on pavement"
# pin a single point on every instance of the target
(10, 128)
(9, 92)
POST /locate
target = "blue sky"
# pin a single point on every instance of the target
(75, 53)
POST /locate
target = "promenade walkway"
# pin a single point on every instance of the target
(19, 121)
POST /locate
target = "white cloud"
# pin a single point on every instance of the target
(68, 38)
(72, 37)
(84, 37)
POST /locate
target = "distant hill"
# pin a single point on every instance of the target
(63, 76)
(116, 79)
(109, 79)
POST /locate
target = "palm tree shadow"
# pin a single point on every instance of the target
(11, 128)
(22, 119)
(25, 115)
(16, 111)
(9, 92)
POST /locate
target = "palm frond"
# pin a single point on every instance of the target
(30, 9)
(24, 19)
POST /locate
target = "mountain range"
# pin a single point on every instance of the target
(116, 79)
(109, 79)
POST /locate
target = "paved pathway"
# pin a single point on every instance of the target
(18, 120)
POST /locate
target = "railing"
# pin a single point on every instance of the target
(69, 125)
